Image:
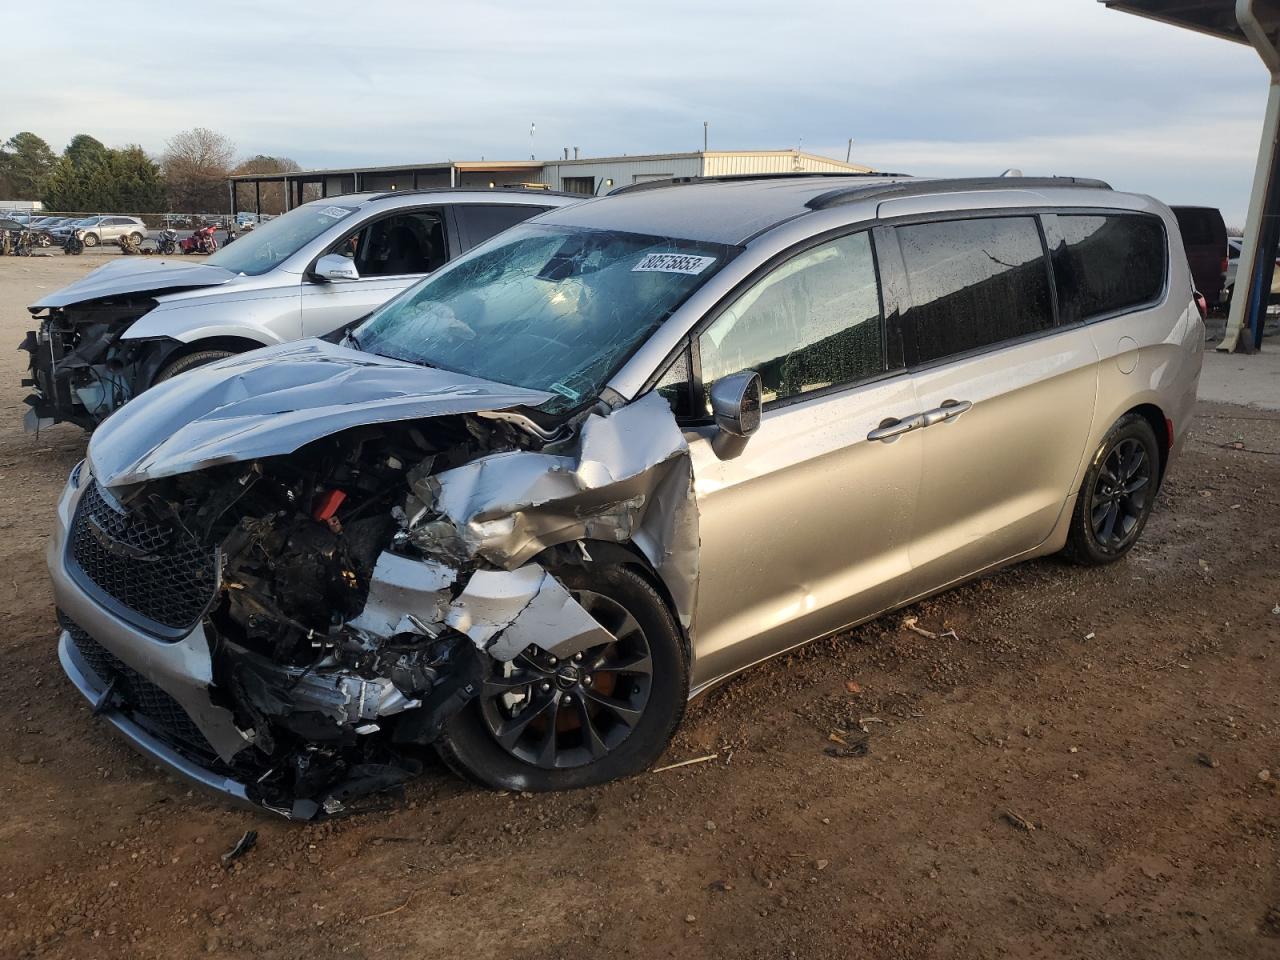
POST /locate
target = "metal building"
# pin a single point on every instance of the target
(587, 175)
(1256, 23)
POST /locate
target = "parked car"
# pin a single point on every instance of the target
(103, 229)
(609, 458)
(1234, 246)
(1204, 236)
(322, 266)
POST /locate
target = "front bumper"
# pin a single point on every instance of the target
(182, 670)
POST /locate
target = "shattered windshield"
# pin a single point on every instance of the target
(544, 307)
(269, 245)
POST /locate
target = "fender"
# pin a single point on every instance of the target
(264, 316)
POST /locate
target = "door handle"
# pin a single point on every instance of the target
(891, 429)
(949, 410)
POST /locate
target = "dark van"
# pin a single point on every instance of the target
(1205, 237)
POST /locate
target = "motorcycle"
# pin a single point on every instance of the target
(200, 241)
(129, 246)
(168, 242)
(74, 244)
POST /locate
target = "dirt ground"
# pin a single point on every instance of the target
(1088, 767)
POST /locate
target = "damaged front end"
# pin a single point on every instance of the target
(80, 368)
(347, 598)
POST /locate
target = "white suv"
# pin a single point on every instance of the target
(140, 320)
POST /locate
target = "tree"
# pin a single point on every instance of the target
(272, 193)
(90, 177)
(25, 164)
(196, 165)
(85, 151)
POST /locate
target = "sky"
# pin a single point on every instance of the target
(930, 87)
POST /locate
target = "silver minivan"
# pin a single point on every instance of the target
(612, 457)
(139, 321)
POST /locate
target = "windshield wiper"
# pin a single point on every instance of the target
(349, 339)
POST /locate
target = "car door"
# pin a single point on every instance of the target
(806, 530)
(1006, 394)
(391, 251)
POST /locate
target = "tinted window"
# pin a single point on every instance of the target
(1107, 264)
(811, 323)
(403, 243)
(974, 283)
(480, 221)
(1199, 225)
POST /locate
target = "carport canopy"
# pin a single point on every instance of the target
(1256, 23)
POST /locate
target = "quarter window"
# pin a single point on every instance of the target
(974, 283)
(484, 220)
(813, 322)
(1108, 264)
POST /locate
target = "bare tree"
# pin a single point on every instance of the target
(196, 165)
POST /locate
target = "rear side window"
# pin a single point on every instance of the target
(480, 221)
(1199, 226)
(974, 283)
(813, 322)
(1108, 264)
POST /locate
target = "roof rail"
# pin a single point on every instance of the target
(504, 191)
(735, 177)
(908, 188)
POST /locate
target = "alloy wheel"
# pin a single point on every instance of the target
(1120, 494)
(557, 714)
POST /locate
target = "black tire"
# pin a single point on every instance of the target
(1117, 495)
(90, 239)
(189, 362)
(469, 743)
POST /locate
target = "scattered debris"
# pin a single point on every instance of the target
(1022, 823)
(856, 748)
(912, 624)
(835, 737)
(1090, 635)
(1075, 750)
(685, 763)
(1206, 761)
(852, 686)
(1276, 609)
(1264, 775)
(710, 826)
(822, 864)
(243, 846)
(387, 913)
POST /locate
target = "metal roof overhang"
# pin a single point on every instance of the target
(1257, 24)
(1214, 17)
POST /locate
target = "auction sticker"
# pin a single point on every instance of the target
(673, 263)
(337, 213)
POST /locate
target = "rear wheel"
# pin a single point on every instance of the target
(90, 239)
(543, 724)
(1117, 495)
(190, 362)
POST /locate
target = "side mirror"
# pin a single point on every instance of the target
(736, 405)
(333, 266)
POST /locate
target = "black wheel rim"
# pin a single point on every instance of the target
(1120, 495)
(557, 714)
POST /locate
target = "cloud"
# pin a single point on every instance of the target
(964, 86)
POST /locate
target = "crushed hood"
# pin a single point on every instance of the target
(271, 402)
(136, 275)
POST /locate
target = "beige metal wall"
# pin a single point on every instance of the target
(782, 161)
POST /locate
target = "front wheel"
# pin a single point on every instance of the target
(543, 724)
(1117, 495)
(190, 362)
(90, 239)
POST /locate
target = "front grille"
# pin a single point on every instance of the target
(159, 572)
(138, 695)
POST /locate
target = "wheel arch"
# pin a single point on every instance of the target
(625, 554)
(1159, 423)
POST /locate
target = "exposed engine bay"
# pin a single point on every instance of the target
(370, 581)
(81, 369)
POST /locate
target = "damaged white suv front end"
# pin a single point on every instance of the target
(285, 574)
